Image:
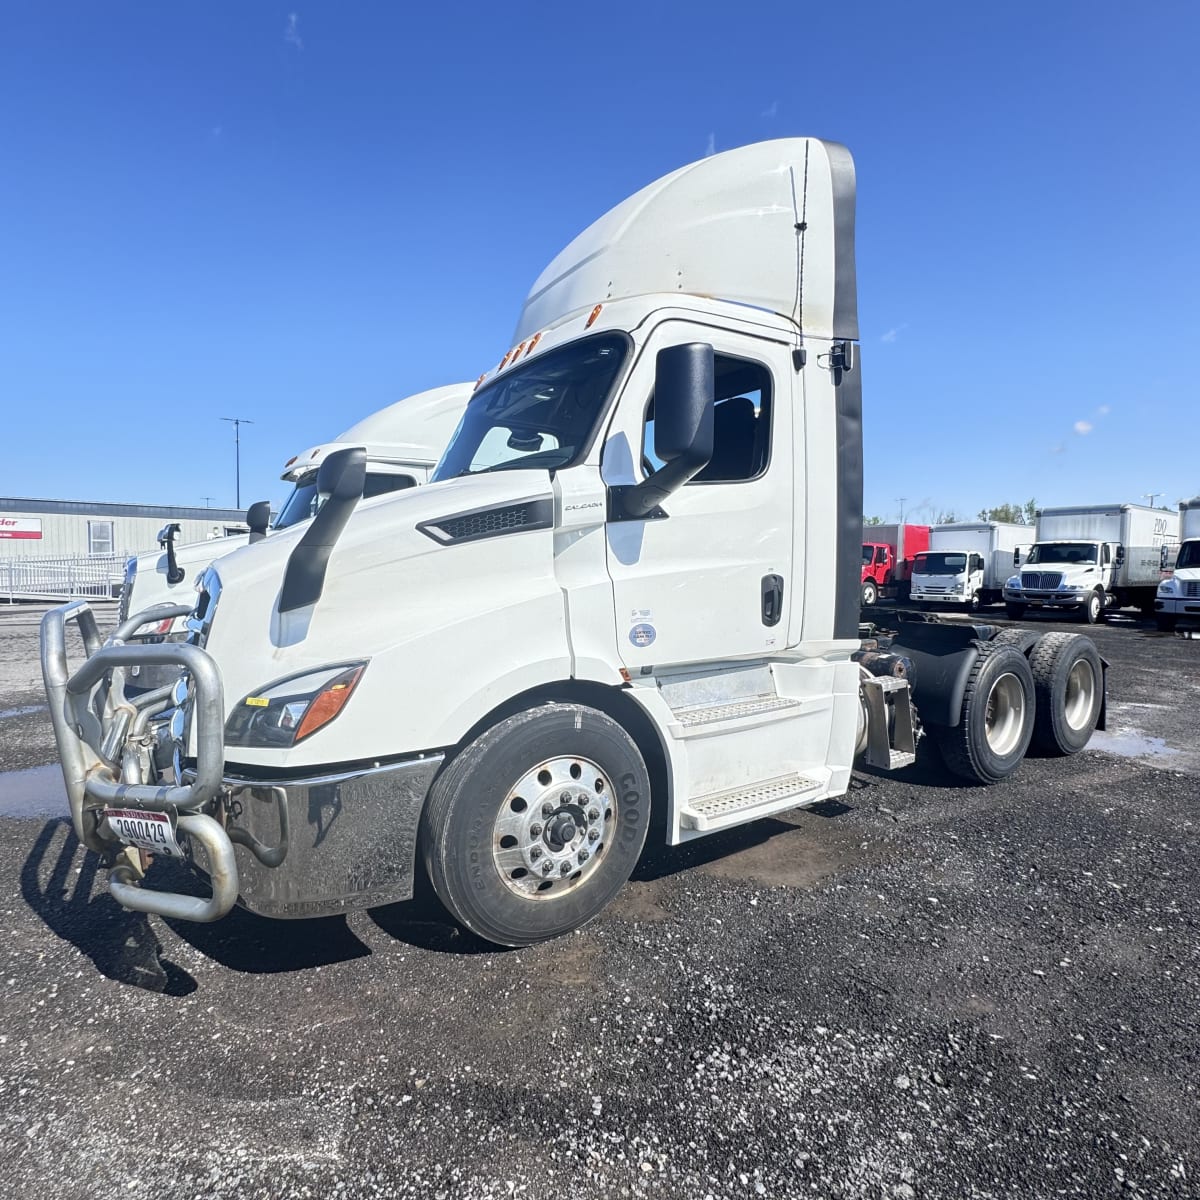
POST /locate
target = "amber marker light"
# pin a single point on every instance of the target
(328, 703)
(592, 319)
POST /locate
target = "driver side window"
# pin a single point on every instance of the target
(741, 424)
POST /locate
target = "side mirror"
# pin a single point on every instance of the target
(341, 479)
(258, 517)
(1119, 557)
(1016, 558)
(166, 539)
(684, 391)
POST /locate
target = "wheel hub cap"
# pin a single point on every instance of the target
(554, 827)
(1005, 717)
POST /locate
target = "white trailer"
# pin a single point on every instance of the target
(627, 600)
(967, 563)
(1093, 558)
(1178, 595)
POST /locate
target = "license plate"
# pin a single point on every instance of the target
(150, 831)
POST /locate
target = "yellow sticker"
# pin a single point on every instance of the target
(257, 701)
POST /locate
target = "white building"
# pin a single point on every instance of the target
(82, 528)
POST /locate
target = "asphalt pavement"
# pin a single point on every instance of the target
(919, 990)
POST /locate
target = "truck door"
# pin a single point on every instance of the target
(712, 579)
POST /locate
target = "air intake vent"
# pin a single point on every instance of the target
(490, 522)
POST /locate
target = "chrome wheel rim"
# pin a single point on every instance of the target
(1005, 716)
(554, 828)
(1080, 696)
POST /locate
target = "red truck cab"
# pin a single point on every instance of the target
(887, 560)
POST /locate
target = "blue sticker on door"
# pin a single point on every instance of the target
(642, 635)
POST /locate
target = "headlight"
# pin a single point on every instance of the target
(1014, 582)
(293, 709)
(1167, 587)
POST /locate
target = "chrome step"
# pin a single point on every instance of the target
(754, 710)
(718, 810)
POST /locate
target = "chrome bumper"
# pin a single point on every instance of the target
(348, 840)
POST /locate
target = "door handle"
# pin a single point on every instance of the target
(772, 599)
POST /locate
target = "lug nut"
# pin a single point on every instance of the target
(535, 830)
(593, 814)
(535, 853)
(547, 809)
(565, 869)
(583, 856)
(564, 798)
(547, 867)
(593, 835)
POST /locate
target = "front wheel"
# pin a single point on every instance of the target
(870, 594)
(534, 827)
(1165, 622)
(1014, 611)
(1068, 681)
(996, 718)
(1093, 610)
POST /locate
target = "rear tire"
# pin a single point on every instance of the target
(870, 594)
(1068, 681)
(1023, 639)
(1165, 622)
(560, 786)
(1014, 611)
(996, 722)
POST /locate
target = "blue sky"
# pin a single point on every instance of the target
(296, 213)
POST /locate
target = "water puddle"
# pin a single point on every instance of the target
(1130, 743)
(5, 713)
(37, 792)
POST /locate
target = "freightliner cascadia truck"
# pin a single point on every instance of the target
(1093, 558)
(1178, 597)
(402, 442)
(967, 563)
(888, 554)
(628, 601)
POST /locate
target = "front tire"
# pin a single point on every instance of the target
(870, 594)
(535, 826)
(1068, 684)
(1014, 611)
(1093, 610)
(996, 721)
(1165, 622)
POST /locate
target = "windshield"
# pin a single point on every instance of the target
(1063, 552)
(303, 502)
(541, 415)
(1189, 555)
(940, 564)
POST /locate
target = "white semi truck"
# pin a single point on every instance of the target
(627, 601)
(403, 442)
(1178, 597)
(1093, 558)
(967, 563)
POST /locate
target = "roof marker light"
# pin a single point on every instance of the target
(592, 319)
(533, 341)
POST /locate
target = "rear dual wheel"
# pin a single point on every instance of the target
(534, 827)
(1068, 679)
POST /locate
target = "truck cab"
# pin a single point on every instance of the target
(1178, 596)
(1075, 575)
(878, 563)
(948, 577)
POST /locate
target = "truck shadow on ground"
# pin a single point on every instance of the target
(58, 882)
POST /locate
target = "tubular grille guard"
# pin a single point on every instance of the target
(90, 749)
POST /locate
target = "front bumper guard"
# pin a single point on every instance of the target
(100, 768)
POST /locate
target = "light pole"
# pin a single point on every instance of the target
(901, 500)
(237, 423)
(208, 500)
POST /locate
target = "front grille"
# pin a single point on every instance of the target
(1041, 580)
(1191, 589)
(490, 522)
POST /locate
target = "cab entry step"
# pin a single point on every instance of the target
(720, 809)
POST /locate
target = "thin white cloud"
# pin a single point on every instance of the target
(892, 334)
(1083, 427)
(711, 148)
(771, 111)
(291, 33)
(1103, 410)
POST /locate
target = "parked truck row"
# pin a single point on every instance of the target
(625, 604)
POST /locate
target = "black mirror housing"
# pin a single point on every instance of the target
(258, 517)
(684, 397)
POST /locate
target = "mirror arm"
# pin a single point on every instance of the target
(642, 501)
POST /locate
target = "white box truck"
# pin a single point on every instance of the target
(628, 600)
(967, 563)
(1178, 596)
(1093, 558)
(403, 442)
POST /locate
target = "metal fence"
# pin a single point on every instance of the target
(78, 577)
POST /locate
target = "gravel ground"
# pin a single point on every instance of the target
(923, 990)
